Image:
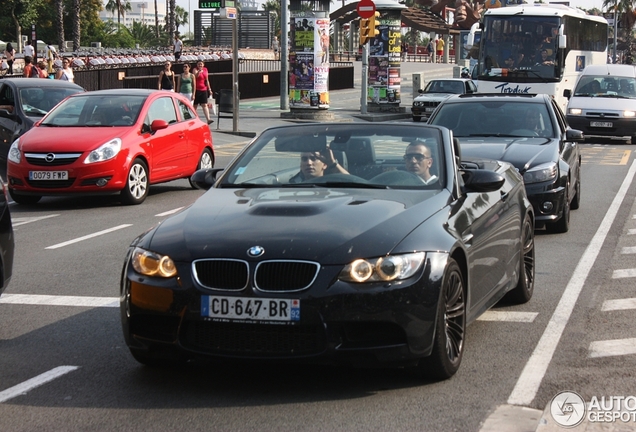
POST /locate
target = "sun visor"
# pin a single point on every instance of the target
(304, 143)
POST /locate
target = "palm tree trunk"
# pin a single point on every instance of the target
(156, 21)
(76, 24)
(59, 18)
(171, 29)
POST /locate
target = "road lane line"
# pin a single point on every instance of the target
(628, 250)
(23, 388)
(610, 348)
(16, 222)
(53, 300)
(533, 372)
(524, 317)
(86, 237)
(619, 304)
(631, 232)
(169, 212)
(623, 273)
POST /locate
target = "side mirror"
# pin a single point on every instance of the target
(481, 180)
(6, 114)
(158, 125)
(574, 135)
(420, 91)
(205, 178)
(563, 41)
(567, 93)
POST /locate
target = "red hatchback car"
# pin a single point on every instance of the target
(110, 141)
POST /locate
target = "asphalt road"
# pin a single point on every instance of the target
(65, 367)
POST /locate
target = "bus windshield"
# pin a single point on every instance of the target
(520, 48)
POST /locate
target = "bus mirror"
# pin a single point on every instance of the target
(567, 93)
(563, 41)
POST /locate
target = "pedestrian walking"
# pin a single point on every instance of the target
(166, 78)
(28, 49)
(275, 47)
(178, 47)
(9, 55)
(203, 90)
(186, 83)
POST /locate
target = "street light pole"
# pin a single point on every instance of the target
(615, 31)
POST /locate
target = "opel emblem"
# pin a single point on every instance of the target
(255, 251)
(50, 157)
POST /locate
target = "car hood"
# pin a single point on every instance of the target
(432, 97)
(327, 225)
(65, 139)
(604, 103)
(523, 153)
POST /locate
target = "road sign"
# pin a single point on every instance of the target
(366, 8)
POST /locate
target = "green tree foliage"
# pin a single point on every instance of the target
(17, 16)
(274, 6)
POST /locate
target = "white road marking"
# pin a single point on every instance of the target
(52, 300)
(23, 388)
(624, 273)
(609, 348)
(619, 304)
(629, 250)
(86, 237)
(524, 317)
(17, 221)
(169, 212)
(631, 231)
(533, 372)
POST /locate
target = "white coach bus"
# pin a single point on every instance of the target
(536, 49)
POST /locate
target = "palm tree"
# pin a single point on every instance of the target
(180, 17)
(156, 21)
(121, 6)
(77, 25)
(59, 23)
(626, 9)
(171, 21)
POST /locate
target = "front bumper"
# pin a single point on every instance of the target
(339, 322)
(547, 201)
(621, 127)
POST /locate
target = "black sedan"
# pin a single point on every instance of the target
(7, 241)
(24, 101)
(361, 244)
(530, 132)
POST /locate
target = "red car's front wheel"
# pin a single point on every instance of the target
(137, 184)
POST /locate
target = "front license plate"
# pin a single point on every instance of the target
(48, 175)
(601, 124)
(429, 109)
(258, 309)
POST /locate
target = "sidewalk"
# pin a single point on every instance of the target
(255, 115)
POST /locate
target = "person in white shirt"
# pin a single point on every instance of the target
(65, 73)
(28, 50)
(178, 46)
(418, 161)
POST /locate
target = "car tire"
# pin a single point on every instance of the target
(522, 293)
(137, 184)
(205, 161)
(416, 119)
(562, 225)
(24, 199)
(450, 328)
(576, 201)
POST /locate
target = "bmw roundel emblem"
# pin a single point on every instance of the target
(255, 251)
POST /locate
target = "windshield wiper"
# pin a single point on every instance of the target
(495, 135)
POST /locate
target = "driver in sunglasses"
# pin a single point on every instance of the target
(418, 161)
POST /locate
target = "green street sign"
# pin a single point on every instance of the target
(216, 4)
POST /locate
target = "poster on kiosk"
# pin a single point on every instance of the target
(384, 59)
(309, 62)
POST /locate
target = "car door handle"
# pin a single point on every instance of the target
(181, 136)
(504, 195)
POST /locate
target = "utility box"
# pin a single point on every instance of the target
(418, 83)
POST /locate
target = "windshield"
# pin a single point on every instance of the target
(96, 111)
(519, 49)
(444, 86)
(502, 119)
(36, 101)
(606, 86)
(369, 156)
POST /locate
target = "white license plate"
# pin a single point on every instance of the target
(48, 175)
(601, 124)
(258, 309)
(428, 109)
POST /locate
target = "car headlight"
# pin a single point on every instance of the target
(541, 173)
(153, 264)
(629, 114)
(388, 268)
(104, 152)
(575, 111)
(14, 152)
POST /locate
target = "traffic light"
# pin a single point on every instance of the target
(373, 21)
(364, 30)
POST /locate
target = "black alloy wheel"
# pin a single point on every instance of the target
(522, 293)
(450, 331)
